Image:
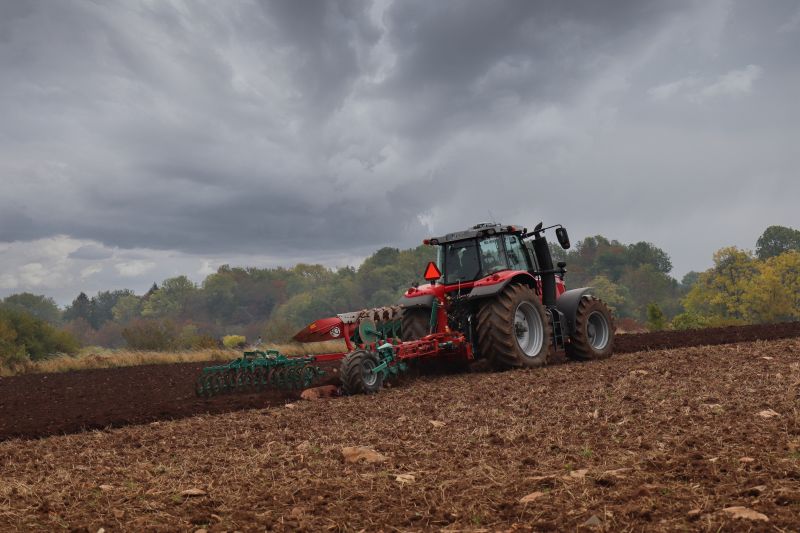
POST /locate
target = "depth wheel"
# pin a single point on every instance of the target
(513, 329)
(416, 323)
(594, 331)
(356, 373)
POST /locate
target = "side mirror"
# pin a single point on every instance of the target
(563, 237)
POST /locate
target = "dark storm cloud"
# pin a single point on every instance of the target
(455, 60)
(310, 129)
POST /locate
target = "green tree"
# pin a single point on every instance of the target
(37, 305)
(81, 307)
(776, 240)
(646, 284)
(645, 253)
(171, 299)
(616, 296)
(128, 307)
(24, 333)
(689, 279)
(102, 306)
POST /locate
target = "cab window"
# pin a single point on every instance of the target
(515, 253)
(461, 261)
(492, 255)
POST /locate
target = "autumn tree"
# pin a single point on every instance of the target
(774, 295)
(721, 291)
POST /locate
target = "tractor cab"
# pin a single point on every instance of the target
(483, 250)
(491, 254)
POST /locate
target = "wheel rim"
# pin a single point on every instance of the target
(597, 330)
(368, 375)
(528, 329)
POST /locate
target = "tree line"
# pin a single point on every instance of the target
(273, 303)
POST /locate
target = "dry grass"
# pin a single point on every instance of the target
(98, 357)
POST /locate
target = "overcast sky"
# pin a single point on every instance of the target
(141, 140)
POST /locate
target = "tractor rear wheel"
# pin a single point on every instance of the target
(513, 329)
(416, 323)
(356, 373)
(594, 331)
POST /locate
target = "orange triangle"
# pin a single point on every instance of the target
(432, 272)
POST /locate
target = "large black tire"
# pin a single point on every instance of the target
(416, 323)
(594, 331)
(513, 329)
(355, 373)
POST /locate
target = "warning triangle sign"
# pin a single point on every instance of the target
(432, 272)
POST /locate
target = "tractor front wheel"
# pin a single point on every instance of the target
(416, 323)
(357, 373)
(594, 331)
(513, 329)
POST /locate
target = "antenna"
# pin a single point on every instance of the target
(491, 216)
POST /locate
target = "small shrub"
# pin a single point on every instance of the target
(191, 339)
(689, 320)
(234, 341)
(150, 335)
(655, 317)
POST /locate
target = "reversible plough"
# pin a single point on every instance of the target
(374, 331)
(501, 299)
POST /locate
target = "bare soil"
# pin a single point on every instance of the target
(658, 441)
(39, 405)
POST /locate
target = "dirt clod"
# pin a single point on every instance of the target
(404, 479)
(355, 454)
(745, 513)
(317, 393)
(531, 497)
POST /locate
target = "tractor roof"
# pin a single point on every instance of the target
(478, 230)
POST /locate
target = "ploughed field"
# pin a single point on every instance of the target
(38, 405)
(693, 438)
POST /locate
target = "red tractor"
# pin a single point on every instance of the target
(502, 291)
(493, 293)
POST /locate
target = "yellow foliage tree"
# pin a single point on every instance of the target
(774, 295)
(720, 293)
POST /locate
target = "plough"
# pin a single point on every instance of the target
(376, 332)
(501, 299)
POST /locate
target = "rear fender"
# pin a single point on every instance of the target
(420, 300)
(568, 303)
(421, 296)
(495, 283)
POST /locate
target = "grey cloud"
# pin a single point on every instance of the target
(91, 252)
(306, 130)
